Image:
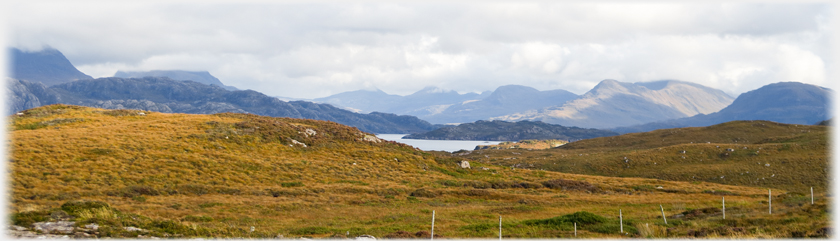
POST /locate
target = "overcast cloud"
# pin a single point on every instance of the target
(309, 50)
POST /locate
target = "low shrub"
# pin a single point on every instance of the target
(570, 185)
(423, 193)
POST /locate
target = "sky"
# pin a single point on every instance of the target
(316, 49)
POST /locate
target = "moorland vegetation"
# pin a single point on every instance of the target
(242, 175)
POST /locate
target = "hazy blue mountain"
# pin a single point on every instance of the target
(47, 66)
(612, 104)
(362, 100)
(505, 100)
(785, 102)
(445, 106)
(203, 77)
(428, 101)
(510, 131)
(172, 96)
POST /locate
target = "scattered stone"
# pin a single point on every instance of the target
(132, 229)
(767, 164)
(81, 235)
(141, 114)
(730, 149)
(92, 226)
(298, 143)
(17, 228)
(309, 132)
(365, 237)
(485, 168)
(371, 138)
(464, 164)
(63, 227)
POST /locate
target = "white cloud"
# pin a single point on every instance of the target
(316, 49)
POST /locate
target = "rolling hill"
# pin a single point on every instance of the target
(143, 174)
(744, 153)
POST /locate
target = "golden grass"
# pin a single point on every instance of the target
(218, 175)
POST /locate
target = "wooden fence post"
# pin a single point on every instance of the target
(769, 201)
(663, 214)
(500, 227)
(620, 222)
(575, 229)
(723, 202)
(433, 225)
(812, 195)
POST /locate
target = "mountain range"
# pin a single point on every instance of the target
(609, 104)
(163, 94)
(785, 102)
(203, 77)
(613, 104)
(47, 77)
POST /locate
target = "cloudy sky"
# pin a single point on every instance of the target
(310, 50)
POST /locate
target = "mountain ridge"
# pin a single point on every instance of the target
(612, 103)
(172, 96)
(784, 102)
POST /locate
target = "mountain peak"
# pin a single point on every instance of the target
(47, 66)
(433, 90)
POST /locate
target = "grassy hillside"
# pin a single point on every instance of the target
(762, 154)
(181, 175)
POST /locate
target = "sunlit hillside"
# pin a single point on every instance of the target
(240, 175)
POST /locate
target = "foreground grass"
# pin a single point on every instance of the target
(178, 175)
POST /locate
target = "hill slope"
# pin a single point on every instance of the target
(166, 95)
(47, 66)
(750, 153)
(785, 102)
(148, 174)
(612, 104)
(509, 131)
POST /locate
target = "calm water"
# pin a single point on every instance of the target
(436, 145)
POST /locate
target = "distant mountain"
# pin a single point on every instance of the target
(428, 101)
(510, 131)
(47, 66)
(505, 100)
(162, 94)
(362, 100)
(441, 106)
(22, 95)
(785, 102)
(203, 77)
(612, 104)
